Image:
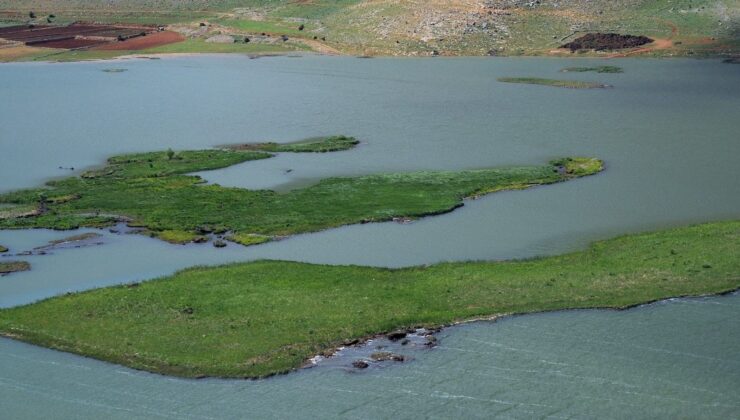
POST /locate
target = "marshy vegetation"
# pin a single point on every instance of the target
(571, 84)
(266, 317)
(597, 69)
(7, 267)
(152, 191)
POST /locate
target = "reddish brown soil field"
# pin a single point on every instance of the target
(69, 43)
(79, 35)
(143, 42)
(600, 42)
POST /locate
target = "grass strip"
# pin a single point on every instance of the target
(261, 318)
(570, 84)
(597, 69)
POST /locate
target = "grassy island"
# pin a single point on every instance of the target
(267, 317)
(571, 84)
(315, 145)
(597, 69)
(3, 249)
(8, 267)
(154, 192)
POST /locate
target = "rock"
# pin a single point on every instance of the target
(204, 229)
(218, 243)
(396, 335)
(405, 341)
(302, 27)
(202, 24)
(187, 311)
(246, 39)
(284, 38)
(360, 364)
(382, 356)
(200, 239)
(351, 342)
(431, 341)
(220, 39)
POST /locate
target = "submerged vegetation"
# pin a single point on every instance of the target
(152, 191)
(314, 145)
(7, 267)
(572, 84)
(597, 69)
(266, 317)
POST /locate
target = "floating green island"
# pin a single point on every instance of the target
(8, 267)
(267, 317)
(597, 69)
(152, 191)
(571, 84)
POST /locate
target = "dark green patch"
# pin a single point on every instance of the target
(8, 267)
(597, 69)
(315, 145)
(571, 84)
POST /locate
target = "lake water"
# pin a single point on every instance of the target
(667, 131)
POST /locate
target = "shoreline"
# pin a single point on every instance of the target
(298, 53)
(309, 363)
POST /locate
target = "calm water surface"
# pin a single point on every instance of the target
(667, 131)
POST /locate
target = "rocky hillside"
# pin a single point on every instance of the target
(426, 27)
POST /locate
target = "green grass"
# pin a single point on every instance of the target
(315, 145)
(393, 28)
(152, 190)
(261, 318)
(7, 267)
(275, 28)
(177, 236)
(570, 84)
(201, 46)
(247, 239)
(597, 69)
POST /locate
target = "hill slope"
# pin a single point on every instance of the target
(424, 27)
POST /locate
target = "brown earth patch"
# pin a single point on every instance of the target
(611, 41)
(143, 42)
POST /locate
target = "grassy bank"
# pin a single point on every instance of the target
(597, 69)
(570, 84)
(260, 318)
(152, 191)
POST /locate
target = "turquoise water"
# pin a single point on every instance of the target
(667, 131)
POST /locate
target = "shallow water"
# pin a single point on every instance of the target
(667, 131)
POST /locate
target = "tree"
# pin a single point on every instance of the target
(170, 154)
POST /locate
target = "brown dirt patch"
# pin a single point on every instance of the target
(70, 43)
(143, 42)
(601, 42)
(16, 52)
